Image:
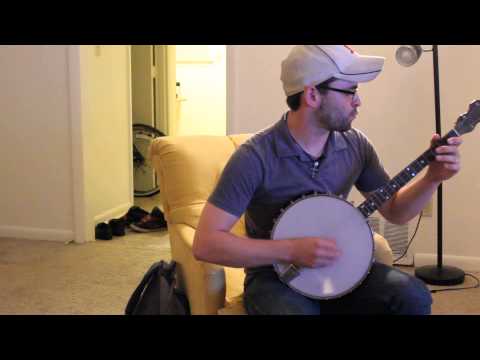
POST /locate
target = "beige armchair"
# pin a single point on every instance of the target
(188, 168)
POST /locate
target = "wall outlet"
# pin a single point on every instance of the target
(428, 209)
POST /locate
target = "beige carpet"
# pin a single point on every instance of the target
(42, 277)
(457, 302)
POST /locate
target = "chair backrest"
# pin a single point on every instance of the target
(188, 168)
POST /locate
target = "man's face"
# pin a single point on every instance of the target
(338, 109)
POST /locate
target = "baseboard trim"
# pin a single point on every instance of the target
(29, 233)
(113, 213)
(466, 263)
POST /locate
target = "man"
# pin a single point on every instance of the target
(313, 148)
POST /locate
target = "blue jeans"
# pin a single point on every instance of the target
(386, 290)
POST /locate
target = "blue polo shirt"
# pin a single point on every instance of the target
(270, 169)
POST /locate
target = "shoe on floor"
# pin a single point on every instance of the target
(134, 214)
(103, 231)
(155, 221)
(157, 213)
(117, 226)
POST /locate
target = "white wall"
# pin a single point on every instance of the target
(64, 139)
(201, 71)
(462, 195)
(254, 94)
(35, 143)
(105, 111)
(397, 114)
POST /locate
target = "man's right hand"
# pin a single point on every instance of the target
(314, 252)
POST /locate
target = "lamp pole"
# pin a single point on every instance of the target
(439, 274)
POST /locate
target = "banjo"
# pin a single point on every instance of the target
(321, 215)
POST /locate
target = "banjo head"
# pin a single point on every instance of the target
(334, 218)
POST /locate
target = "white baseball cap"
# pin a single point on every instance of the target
(310, 65)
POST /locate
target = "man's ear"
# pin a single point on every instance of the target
(312, 96)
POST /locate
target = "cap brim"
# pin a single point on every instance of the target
(363, 69)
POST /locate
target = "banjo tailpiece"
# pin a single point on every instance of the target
(291, 273)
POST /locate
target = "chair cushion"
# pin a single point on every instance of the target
(188, 169)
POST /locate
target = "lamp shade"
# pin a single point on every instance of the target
(407, 55)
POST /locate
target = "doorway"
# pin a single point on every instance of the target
(152, 72)
(180, 91)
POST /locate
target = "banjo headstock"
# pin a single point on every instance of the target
(467, 122)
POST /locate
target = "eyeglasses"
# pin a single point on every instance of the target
(344, 91)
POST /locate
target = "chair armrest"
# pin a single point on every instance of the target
(383, 253)
(203, 283)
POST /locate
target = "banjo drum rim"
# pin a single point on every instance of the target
(370, 263)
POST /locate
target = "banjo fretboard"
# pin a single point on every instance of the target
(385, 193)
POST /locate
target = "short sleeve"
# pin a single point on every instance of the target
(239, 181)
(373, 175)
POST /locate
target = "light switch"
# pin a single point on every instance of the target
(98, 50)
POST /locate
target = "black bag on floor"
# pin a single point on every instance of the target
(156, 294)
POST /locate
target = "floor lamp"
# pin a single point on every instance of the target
(408, 55)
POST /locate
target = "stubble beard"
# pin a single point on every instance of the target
(334, 121)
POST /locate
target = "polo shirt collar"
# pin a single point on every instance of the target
(286, 145)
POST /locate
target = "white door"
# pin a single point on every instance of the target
(152, 88)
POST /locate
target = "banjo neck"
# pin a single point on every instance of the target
(385, 193)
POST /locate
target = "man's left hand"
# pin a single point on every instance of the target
(447, 160)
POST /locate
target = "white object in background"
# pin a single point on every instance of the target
(193, 54)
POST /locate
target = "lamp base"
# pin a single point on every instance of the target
(445, 275)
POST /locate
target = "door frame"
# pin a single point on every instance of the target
(77, 138)
(83, 219)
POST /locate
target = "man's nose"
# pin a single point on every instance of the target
(356, 100)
